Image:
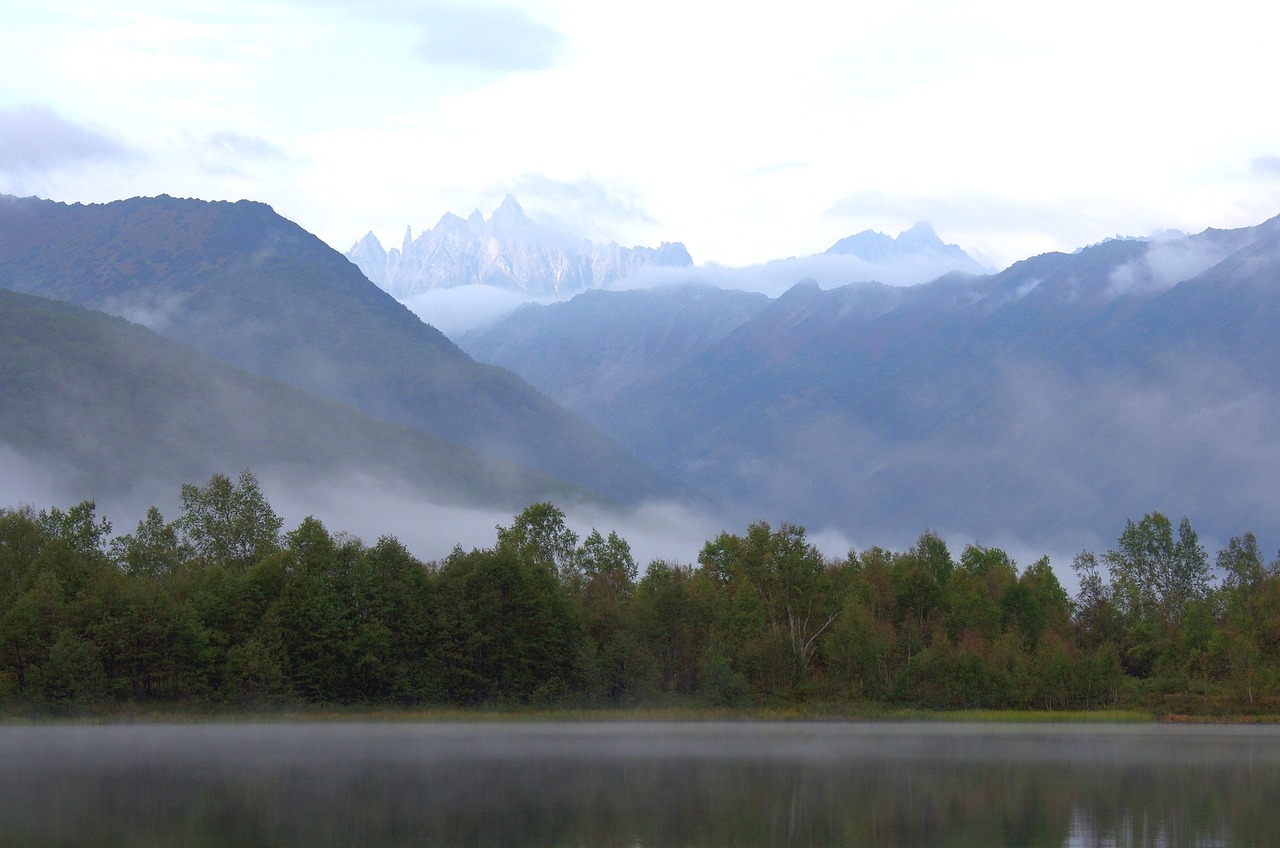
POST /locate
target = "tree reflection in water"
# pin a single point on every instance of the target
(639, 784)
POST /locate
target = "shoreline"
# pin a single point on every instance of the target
(293, 714)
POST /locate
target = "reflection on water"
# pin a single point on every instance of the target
(639, 784)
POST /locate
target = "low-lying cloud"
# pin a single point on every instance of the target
(453, 311)
(36, 139)
(1165, 264)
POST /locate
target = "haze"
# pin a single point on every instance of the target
(748, 133)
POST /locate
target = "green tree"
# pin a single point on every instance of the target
(228, 523)
(396, 648)
(1155, 575)
(1241, 641)
(791, 580)
(613, 663)
(1036, 604)
(507, 627)
(673, 621)
(79, 527)
(539, 535)
(154, 549)
(315, 612)
(1096, 618)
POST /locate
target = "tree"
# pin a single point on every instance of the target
(610, 558)
(396, 639)
(79, 527)
(154, 549)
(507, 627)
(612, 662)
(229, 523)
(1155, 576)
(1036, 604)
(316, 613)
(673, 623)
(1246, 619)
(790, 578)
(538, 536)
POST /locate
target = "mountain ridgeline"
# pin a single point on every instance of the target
(107, 406)
(241, 284)
(508, 250)
(1030, 404)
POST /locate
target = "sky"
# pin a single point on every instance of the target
(748, 131)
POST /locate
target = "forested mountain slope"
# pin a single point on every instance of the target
(1126, 377)
(242, 284)
(106, 406)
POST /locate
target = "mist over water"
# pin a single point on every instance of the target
(640, 784)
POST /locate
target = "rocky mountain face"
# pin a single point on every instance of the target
(1058, 397)
(508, 250)
(237, 282)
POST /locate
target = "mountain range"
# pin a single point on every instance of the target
(238, 283)
(1053, 399)
(508, 250)
(1045, 403)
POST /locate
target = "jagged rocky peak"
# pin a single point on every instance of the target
(921, 233)
(508, 249)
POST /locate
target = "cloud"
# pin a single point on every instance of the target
(1265, 166)
(228, 153)
(773, 278)
(453, 311)
(777, 168)
(488, 38)
(582, 207)
(233, 144)
(36, 139)
(1165, 264)
(978, 208)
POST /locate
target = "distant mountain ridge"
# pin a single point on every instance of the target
(1065, 393)
(508, 250)
(919, 242)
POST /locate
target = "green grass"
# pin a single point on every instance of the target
(131, 713)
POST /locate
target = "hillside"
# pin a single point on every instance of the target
(240, 283)
(1042, 400)
(104, 406)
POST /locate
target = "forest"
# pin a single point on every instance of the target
(222, 608)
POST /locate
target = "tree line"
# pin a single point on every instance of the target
(220, 606)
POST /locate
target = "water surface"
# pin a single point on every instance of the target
(640, 784)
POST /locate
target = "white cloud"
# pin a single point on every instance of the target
(490, 38)
(734, 133)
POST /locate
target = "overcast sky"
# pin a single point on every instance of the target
(748, 131)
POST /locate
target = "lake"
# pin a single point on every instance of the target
(640, 784)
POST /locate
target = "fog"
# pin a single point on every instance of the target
(370, 507)
(453, 311)
(1066, 459)
(1165, 264)
(638, 784)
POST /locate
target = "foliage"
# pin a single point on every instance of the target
(229, 523)
(219, 607)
